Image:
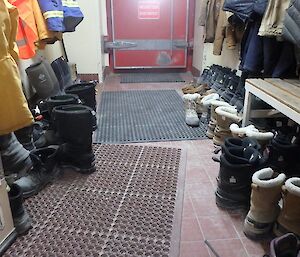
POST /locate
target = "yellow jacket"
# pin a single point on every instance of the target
(14, 112)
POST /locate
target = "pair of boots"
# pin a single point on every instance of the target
(268, 187)
(239, 160)
(74, 125)
(251, 131)
(225, 116)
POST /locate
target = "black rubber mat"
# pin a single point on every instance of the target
(150, 77)
(144, 116)
(131, 206)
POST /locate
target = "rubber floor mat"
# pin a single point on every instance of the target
(150, 77)
(131, 206)
(144, 116)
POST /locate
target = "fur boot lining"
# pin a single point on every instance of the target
(260, 178)
(293, 186)
(192, 97)
(218, 103)
(206, 101)
(237, 130)
(259, 135)
(228, 112)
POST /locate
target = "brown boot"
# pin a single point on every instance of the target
(226, 115)
(189, 86)
(266, 193)
(213, 117)
(198, 89)
(289, 217)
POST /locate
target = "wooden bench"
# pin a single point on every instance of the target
(282, 95)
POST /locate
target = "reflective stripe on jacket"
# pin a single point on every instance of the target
(61, 15)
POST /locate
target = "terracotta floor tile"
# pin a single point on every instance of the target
(190, 230)
(229, 248)
(193, 249)
(206, 207)
(188, 210)
(255, 249)
(238, 223)
(200, 190)
(196, 174)
(217, 227)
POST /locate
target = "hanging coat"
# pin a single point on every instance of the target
(61, 15)
(27, 33)
(272, 22)
(14, 112)
(291, 25)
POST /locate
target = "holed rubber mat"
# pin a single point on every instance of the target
(144, 116)
(131, 206)
(150, 77)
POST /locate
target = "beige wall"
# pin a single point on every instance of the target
(84, 46)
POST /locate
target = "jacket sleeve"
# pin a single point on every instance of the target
(203, 13)
(220, 33)
(230, 37)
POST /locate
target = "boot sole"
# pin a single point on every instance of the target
(256, 234)
(209, 135)
(78, 169)
(228, 204)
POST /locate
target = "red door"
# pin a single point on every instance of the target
(149, 33)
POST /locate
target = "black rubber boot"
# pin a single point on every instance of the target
(283, 155)
(242, 142)
(75, 125)
(60, 100)
(237, 165)
(22, 221)
(44, 171)
(25, 137)
(86, 93)
(49, 136)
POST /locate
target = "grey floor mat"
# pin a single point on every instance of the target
(144, 116)
(150, 77)
(131, 206)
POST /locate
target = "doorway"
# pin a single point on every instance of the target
(149, 34)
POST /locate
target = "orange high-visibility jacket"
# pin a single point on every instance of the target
(27, 31)
(14, 112)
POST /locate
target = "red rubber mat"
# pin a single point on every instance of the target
(131, 206)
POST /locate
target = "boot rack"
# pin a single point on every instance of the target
(282, 95)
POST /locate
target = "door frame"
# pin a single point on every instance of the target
(189, 39)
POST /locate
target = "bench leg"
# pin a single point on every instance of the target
(247, 108)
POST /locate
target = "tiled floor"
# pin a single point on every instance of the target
(202, 219)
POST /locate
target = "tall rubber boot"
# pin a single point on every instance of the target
(50, 137)
(244, 143)
(44, 171)
(264, 210)
(285, 246)
(42, 77)
(226, 115)
(25, 137)
(22, 221)
(289, 217)
(283, 155)
(74, 124)
(237, 165)
(86, 93)
(213, 117)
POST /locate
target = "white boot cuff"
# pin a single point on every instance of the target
(293, 186)
(228, 112)
(206, 101)
(263, 178)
